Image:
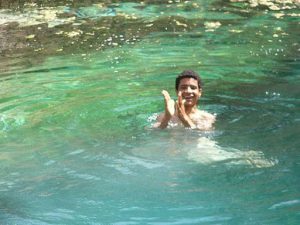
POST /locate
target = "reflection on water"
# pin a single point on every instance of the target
(79, 80)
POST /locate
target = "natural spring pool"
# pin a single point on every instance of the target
(80, 86)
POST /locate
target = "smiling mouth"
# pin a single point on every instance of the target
(188, 97)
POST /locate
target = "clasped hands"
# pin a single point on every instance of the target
(177, 108)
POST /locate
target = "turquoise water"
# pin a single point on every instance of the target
(78, 97)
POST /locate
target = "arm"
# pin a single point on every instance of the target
(186, 120)
(162, 121)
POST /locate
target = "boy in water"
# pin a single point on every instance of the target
(184, 111)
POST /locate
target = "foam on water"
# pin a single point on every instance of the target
(285, 204)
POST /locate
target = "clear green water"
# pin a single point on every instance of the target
(75, 143)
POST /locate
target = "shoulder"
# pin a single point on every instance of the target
(160, 117)
(158, 120)
(206, 115)
(172, 122)
(204, 120)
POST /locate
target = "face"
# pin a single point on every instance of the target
(190, 91)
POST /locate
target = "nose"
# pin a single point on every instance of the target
(189, 89)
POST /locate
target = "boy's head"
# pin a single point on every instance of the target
(188, 74)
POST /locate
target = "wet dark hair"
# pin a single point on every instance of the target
(188, 74)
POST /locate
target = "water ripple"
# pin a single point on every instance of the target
(285, 204)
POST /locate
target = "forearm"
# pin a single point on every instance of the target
(163, 123)
(187, 122)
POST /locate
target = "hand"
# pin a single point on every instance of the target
(163, 119)
(180, 108)
(185, 119)
(169, 104)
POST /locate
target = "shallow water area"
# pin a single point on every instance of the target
(81, 85)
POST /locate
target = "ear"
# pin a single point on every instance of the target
(200, 92)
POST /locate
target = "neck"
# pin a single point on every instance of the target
(190, 109)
